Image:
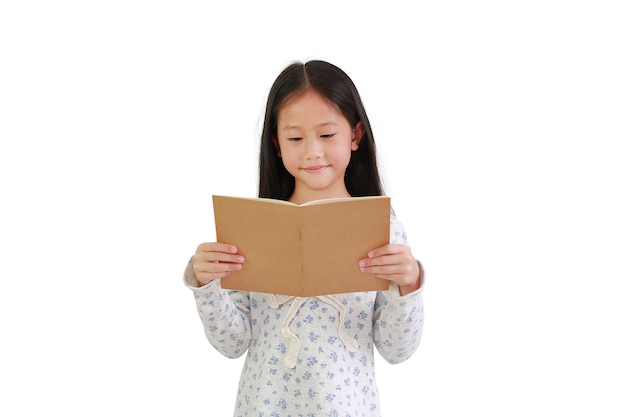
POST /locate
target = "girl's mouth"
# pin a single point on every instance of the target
(315, 169)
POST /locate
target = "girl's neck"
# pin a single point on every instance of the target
(301, 198)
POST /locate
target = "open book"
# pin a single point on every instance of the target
(303, 250)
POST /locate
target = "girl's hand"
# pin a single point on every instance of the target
(215, 260)
(395, 263)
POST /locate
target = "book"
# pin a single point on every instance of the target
(303, 250)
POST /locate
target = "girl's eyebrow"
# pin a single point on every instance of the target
(325, 124)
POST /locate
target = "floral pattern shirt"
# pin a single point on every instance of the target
(310, 356)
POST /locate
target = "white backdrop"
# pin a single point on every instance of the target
(500, 128)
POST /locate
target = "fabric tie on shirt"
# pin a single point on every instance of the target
(291, 357)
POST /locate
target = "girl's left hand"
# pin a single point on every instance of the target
(395, 263)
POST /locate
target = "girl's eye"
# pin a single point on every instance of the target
(329, 135)
(294, 139)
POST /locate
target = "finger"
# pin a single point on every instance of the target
(387, 250)
(384, 260)
(394, 269)
(388, 271)
(216, 267)
(206, 272)
(216, 247)
(219, 257)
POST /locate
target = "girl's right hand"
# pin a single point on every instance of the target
(215, 260)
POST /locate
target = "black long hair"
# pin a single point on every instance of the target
(361, 177)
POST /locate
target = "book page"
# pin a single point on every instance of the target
(335, 237)
(267, 235)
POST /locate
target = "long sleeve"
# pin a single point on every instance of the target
(398, 324)
(225, 315)
(398, 320)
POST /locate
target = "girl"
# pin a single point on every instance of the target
(312, 356)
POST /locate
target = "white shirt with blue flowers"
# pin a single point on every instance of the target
(310, 356)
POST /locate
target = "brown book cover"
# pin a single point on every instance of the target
(303, 250)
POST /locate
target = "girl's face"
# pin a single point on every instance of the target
(315, 142)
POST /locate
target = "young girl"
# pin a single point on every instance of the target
(312, 356)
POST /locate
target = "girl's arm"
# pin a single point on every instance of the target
(398, 312)
(225, 315)
(398, 324)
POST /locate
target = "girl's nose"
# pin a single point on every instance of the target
(313, 148)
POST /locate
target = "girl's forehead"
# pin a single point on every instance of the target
(308, 98)
(309, 111)
(307, 93)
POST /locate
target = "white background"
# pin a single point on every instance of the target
(500, 127)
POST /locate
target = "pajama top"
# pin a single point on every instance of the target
(310, 356)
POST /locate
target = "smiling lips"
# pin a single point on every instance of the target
(315, 169)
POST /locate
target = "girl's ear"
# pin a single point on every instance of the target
(357, 135)
(275, 140)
